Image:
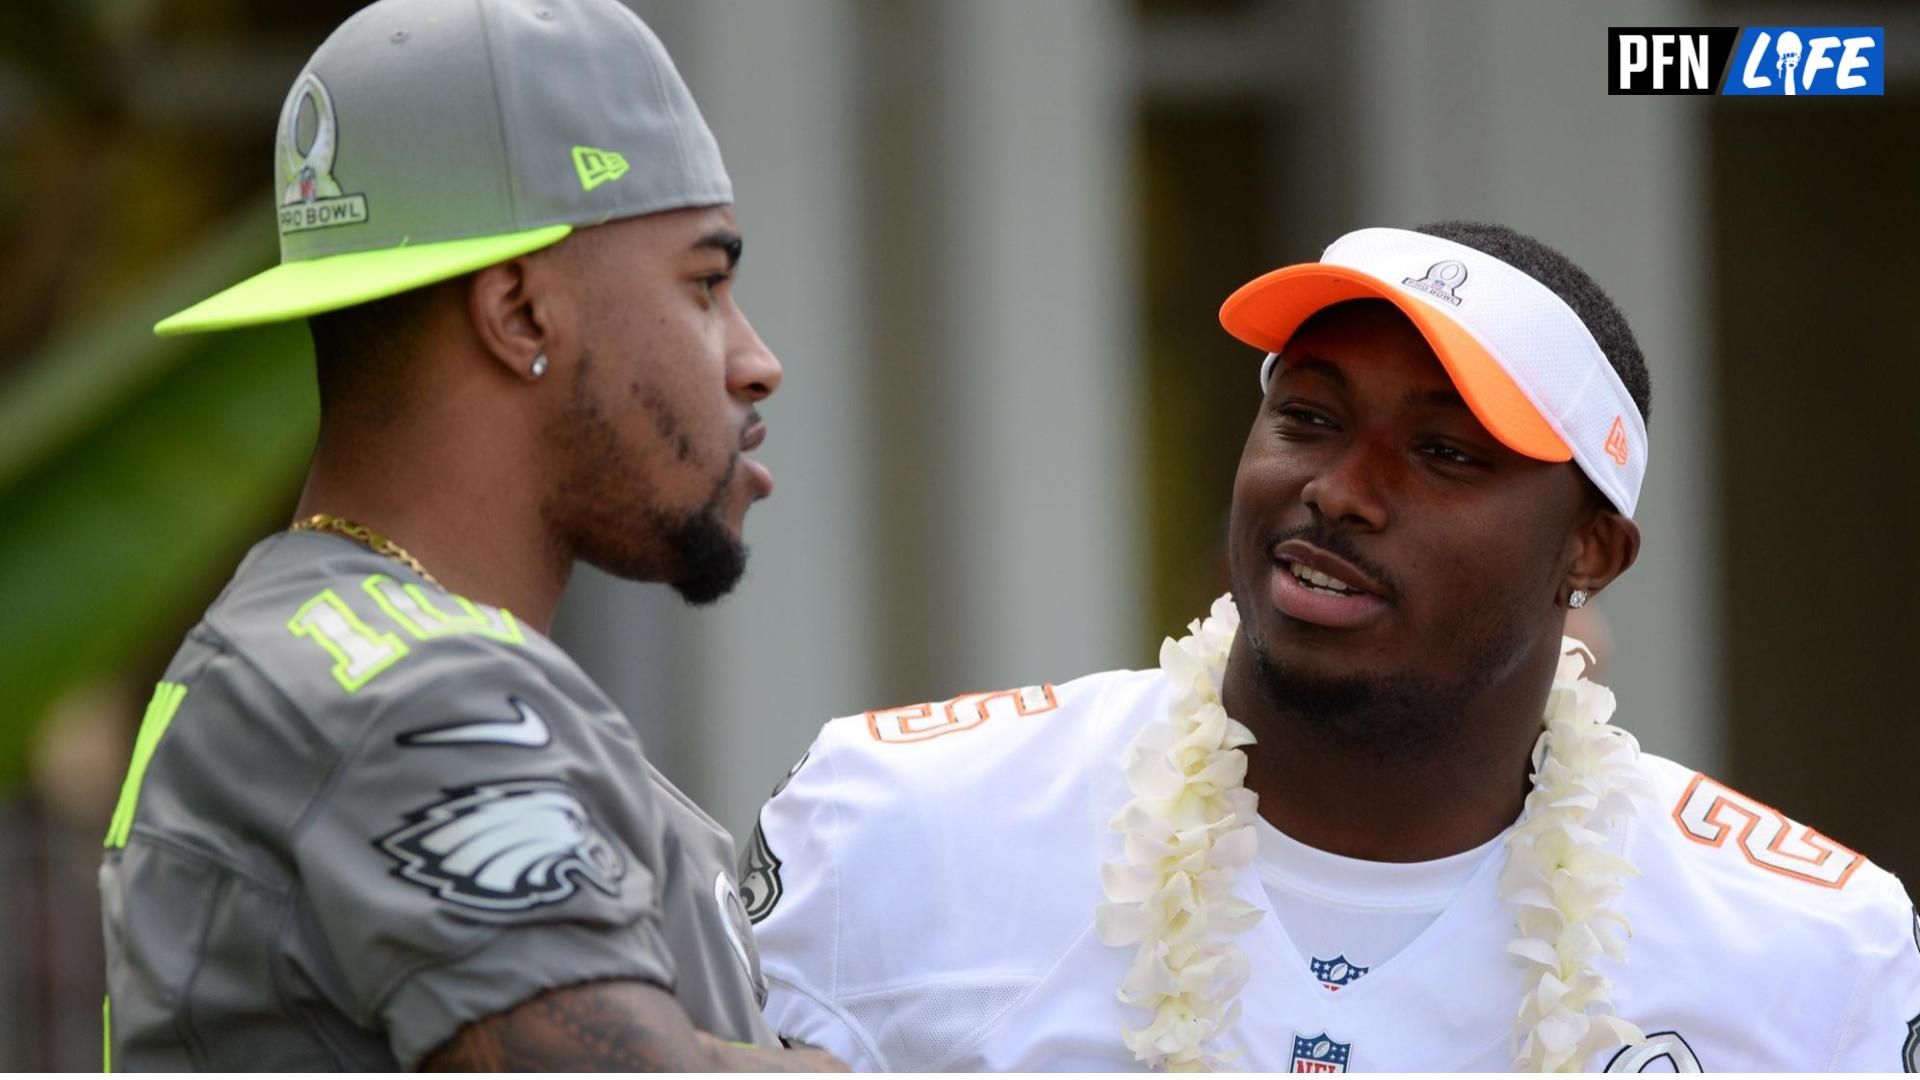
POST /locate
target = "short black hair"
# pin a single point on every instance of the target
(1572, 284)
(361, 352)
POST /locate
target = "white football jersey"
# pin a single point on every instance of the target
(924, 886)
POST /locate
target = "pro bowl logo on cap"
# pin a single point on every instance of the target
(310, 197)
(1440, 280)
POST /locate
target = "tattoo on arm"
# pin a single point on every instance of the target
(623, 1026)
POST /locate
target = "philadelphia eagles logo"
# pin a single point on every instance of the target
(505, 845)
(760, 885)
(1659, 1045)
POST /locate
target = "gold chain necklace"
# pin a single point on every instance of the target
(380, 544)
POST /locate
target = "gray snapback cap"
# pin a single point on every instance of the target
(429, 138)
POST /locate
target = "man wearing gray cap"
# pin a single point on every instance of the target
(374, 818)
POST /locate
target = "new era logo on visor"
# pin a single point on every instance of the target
(1616, 446)
(597, 166)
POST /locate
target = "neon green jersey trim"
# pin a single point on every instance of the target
(106, 1034)
(359, 651)
(597, 166)
(166, 701)
(413, 608)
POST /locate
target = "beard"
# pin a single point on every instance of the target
(605, 494)
(1395, 718)
(711, 559)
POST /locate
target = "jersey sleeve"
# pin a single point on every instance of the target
(485, 838)
(925, 867)
(1882, 1032)
(790, 881)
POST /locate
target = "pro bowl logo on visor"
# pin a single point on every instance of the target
(1441, 279)
(310, 197)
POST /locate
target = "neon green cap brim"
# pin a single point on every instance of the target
(297, 289)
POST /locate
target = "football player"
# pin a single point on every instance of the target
(375, 819)
(1370, 813)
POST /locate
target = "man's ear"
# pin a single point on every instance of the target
(1606, 544)
(513, 307)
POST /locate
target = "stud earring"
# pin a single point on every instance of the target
(539, 367)
(1577, 598)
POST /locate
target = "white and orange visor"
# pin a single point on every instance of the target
(1522, 360)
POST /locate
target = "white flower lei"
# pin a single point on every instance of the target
(1561, 879)
(1189, 831)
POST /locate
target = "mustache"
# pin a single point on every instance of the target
(1325, 537)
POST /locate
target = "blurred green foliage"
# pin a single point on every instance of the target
(130, 469)
(134, 472)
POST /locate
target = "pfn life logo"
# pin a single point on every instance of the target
(1783, 61)
(1808, 60)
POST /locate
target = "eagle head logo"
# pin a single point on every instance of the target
(506, 845)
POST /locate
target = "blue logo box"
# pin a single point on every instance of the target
(1809, 61)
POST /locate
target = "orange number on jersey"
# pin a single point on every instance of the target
(1710, 811)
(918, 723)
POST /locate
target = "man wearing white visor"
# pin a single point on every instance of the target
(1369, 814)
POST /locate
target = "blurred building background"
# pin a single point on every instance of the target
(988, 240)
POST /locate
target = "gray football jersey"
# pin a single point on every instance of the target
(364, 811)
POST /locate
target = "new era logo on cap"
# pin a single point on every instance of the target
(597, 166)
(497, 95)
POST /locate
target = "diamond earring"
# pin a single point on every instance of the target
(539, 367)
(1577, 598)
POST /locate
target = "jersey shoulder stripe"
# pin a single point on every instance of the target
(312, 602)
(979, 833)
(342, 636)
(1769, 869)
(994, 733)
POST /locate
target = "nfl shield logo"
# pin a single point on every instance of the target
(1319, 1054)
(1337, 972)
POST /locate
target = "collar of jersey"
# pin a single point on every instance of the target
(1291, 865)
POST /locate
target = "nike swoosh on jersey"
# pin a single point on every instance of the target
(530, 729)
